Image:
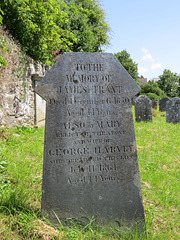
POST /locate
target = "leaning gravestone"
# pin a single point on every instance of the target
(90, 156)
(162, 104)
(173, 110)
(143, 109)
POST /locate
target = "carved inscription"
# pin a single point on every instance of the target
(94, 179)
(90, 79)
(85, 151)
(83, 78)
(89, 89)
(85, 159)
(100, 124)
(89, 67)
(61, 134)
(92, 168)
(90, 157)
(79, 101)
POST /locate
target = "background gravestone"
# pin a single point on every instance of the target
(90, 156)
(162, 104)
(173, 110)
(154, 104)
(133, 99)
(143, 109)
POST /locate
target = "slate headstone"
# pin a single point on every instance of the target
(173, 110)
(162, 104)
(143, 109)
(90, 156)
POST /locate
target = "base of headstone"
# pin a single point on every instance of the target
(121, 223)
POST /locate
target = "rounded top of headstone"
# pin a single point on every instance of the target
(143, 98)
(174, 100)
(163, 99)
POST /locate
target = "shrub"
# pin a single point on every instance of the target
(152, 87)
(153, 96)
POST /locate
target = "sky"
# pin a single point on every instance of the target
(149, 30)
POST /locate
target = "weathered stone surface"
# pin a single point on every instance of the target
(17, 98)
(162, 104)
(143, 109)
(133, 100)
(19, 105)
(90, 156)
(173, 110)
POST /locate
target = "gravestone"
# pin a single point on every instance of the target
(133, 100)
(173, 110)
(154, 104)
(143, 109)
(90, 156)
(162, 104)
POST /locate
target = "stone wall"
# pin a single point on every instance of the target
(18, 105)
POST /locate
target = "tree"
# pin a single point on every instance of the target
(124, 58)
(51, 26)
(32, 23)
(152, 90)
(169, 83)
(87, 23)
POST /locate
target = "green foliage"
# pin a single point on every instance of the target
(152, 87)
(124, 58)
(153, 96)
(44, 27)
(24, 129)
(169, 83)
(88, 25)
(33, 23)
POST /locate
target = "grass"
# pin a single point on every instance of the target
(21, 159)
(159, 155)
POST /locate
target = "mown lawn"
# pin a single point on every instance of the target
(21, 160)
